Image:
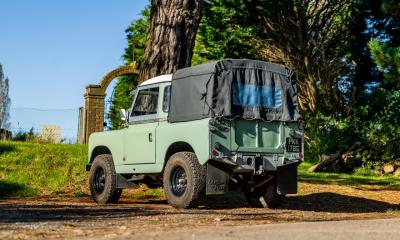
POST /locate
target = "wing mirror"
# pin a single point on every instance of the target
(124, 115)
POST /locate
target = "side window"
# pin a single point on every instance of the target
(166, 99)
(146, 102)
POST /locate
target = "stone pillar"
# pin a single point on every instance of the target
(94, 106)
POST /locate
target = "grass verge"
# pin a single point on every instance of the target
(345, 179)
(29, 169)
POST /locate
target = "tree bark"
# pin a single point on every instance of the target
(170, 41)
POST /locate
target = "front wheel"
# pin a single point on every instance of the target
(267, 197)
(184, 180)
(102, 180)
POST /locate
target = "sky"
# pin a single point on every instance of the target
(50, 50)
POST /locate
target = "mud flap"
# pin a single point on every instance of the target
(124, 183)
(287, 178)
(217, 179)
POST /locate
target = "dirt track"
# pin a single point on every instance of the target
(80, 217)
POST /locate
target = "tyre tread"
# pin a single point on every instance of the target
(199, 183)
(112, 193)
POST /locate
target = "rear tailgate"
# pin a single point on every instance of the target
(257, 136)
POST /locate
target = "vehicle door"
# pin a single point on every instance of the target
(140, 135)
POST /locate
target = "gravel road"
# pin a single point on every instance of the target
(65, 217)
(380, 229)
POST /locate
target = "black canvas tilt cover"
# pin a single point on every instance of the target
(233, 88)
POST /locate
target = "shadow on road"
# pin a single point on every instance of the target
(20, 212)
(318, 202)
(236, 208)
(34, 213)
(336, 203)
(230, 200)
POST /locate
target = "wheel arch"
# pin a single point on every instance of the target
(98, 150)
(177, 147)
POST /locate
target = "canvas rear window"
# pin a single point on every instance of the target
(250, 95)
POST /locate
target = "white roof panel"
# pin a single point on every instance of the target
(158, 79)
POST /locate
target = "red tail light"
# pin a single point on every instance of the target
(214, 152)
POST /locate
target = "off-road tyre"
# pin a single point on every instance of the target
(193, 193)
(103, 181)
(266, 197)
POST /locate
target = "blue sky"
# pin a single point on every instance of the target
(51, 50)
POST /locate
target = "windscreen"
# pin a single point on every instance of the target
(146, 102)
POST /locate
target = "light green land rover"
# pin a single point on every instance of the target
(225, 125)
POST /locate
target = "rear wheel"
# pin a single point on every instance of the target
(266, 197)
(102, 180)
(184, 180)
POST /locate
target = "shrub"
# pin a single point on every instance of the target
(374, 125)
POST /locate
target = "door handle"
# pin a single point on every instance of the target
(150, 137)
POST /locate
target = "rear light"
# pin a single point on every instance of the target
(301, 155)
(214, 152)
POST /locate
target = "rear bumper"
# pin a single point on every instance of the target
(284, 170)
(258, 163)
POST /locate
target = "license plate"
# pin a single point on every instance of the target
(293, 144)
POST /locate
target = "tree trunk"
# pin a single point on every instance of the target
(170, 41)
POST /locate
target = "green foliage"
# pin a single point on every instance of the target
(371, 90)
(121, 99)
(383, 129)
(31, 168)
(387, 59)
(25, 136)
(326, 134)
(136, 35)
(136, 38)
(376, 125)
(224, 33)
